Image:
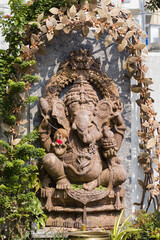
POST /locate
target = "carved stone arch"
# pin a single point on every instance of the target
(82, 64)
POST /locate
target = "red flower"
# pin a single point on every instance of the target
(28, 3)
(7, 16)
(59, 141)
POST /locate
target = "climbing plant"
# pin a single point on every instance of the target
(18, 185)
(27, 30)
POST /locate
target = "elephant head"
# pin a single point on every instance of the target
(84, 112)
(81, 102)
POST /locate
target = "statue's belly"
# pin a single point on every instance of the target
(82, 168)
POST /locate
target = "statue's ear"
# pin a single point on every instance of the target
(58, 112)
(104, 108)
(44, 106)
(103, 112)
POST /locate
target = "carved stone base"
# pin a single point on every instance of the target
(73, 208)
(73, 220)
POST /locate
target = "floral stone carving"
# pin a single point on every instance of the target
(82, 130)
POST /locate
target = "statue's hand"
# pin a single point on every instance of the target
(110, 153)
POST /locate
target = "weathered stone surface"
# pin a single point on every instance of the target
(111, 63)
(82, 130)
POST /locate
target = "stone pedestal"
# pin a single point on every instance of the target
(74, 208)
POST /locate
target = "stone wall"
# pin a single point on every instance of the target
(111, 63)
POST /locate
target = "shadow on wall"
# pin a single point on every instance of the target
(59, 50)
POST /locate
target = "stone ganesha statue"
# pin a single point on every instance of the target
(82, 128)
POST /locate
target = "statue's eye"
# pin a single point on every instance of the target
(59, 106)
(90, 106)
(74, 105)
